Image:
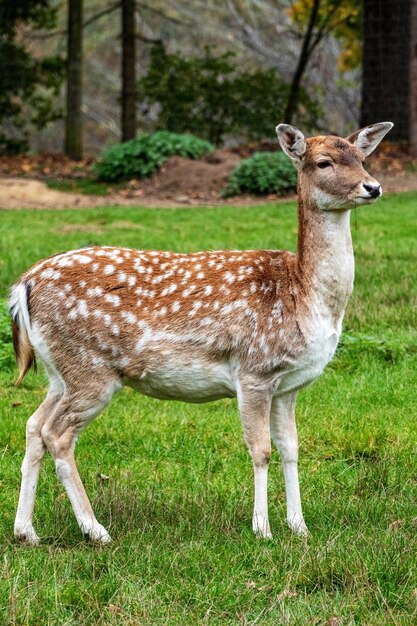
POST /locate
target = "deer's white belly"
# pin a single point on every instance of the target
(201, 379)
(198, 381)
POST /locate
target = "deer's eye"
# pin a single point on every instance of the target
(323, 164)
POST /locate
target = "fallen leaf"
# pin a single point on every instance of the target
(287, 593)
(395, 525)
(115, 609)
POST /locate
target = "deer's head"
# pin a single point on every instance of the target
(331, 171)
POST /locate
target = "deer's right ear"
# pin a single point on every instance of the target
(292, 141)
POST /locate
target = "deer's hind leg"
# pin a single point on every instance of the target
(35, 449)
(77, 408)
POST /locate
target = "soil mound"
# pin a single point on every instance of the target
(183, 180)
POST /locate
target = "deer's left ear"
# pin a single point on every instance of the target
(367, 139)
(292, 141)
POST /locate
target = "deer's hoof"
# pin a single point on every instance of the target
(27, 535)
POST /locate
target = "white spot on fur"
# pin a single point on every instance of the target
(94, 291)
(109, 269)
(188, 291)
(82, 258)
(82, 308)
(114, 300)
(129, 317)
(50, 273)
(197, 305)
(176, 307)
(208, 290)
(168, 290)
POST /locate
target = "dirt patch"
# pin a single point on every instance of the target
(182, 179)
(25, 193)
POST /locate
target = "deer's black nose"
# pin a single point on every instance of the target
(373, 190)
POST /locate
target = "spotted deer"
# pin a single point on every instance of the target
(257, 325)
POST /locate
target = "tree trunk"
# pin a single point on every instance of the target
(128, 70)
(73, 119)
(389, 77)
(303, 60)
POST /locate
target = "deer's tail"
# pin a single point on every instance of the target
(19, 306)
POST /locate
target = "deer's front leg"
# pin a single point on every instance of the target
(254, 406)
(284, 435)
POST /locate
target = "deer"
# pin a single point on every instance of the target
(256, 325)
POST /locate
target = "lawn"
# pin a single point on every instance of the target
(178, 499)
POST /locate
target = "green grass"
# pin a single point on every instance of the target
(178, 501)
(89, 186)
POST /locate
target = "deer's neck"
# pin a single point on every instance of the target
(325, 259)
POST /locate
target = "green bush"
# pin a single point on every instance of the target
(6, 342)
(263, 173)
(141, 156)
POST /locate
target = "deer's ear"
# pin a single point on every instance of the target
(367, 139)
(292, 141)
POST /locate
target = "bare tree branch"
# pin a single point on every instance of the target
(159, 12)
(86, 23)
(146, 39)
(100, 14)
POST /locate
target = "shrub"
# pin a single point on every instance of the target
(141, 156)
(212, 97)
(6, 343)
(263, 173)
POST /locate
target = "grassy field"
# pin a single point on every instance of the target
(178, 501)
